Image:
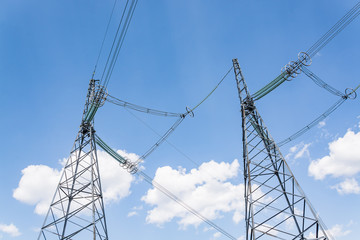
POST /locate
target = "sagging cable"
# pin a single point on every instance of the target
(293, 68)
(161, 140)
(335, 30)
(138, 108)
(165, 191)
(118, 41)
(349, 94)
(321, 83)
(124, 162)
(189, 111)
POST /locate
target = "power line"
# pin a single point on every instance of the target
(139, 108)
(126, 164)
(313, 123)
(165, 191)
(321, 83)
(118, 41)
(293, 68)
(335, 30)
(102, 44)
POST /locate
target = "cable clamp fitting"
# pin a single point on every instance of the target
(189, 112)
(350, 93)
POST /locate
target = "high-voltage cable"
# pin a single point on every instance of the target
(161, 140)
(349, 94)
(189, 111)
(293, 68)
(313, 123)
(212, 91)
(181, 117)
(321, 83)
(125, 162)
(183, 204)
(103, 41)
(335, 30)
(118, 41)
(139, 108)
(158, 134)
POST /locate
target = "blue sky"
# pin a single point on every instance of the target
(175, 52)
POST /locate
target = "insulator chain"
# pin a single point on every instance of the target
(129, 166)
(293, 68)
(98, 95)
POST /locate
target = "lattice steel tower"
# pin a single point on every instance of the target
(77, 209)
(275, 205)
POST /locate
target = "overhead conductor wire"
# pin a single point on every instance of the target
(293, 68)
(124, 162)
(103, 41)
(165, 191)
(335, 30)
(343, 98)
(118, 41)
(178, 121)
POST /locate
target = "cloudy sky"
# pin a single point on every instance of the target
(175, 52)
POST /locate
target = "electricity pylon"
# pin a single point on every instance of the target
(77, 209)
(275, 205)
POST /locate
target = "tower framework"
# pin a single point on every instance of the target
(77, 209)
(275, 205)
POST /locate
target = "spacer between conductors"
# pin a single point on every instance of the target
(350, 93)
(304, 58)
(190, 112)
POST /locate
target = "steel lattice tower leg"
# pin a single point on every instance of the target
(275, 205)
(77, 209)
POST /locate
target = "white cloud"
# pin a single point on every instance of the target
(350, 185)
(321, 124)
(343, 159)
(10, 229)
(335, 232)
(207, 189)
(298, 151)
(38, 182)
(304, 151)
(133, 213)
(115, 180)
(37, 186)
(338, 231)
(216, 235)
(267, 229)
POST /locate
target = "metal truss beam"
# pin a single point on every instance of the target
(275, 205)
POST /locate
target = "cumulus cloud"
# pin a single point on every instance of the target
(115, 181)
(343, 159)
(216, 235)
(298, 151)
(350, 185)
(338, 231)
(321, 124)
(335, 232)
(206, 189)
(38, 182)
(135, 211)
(37, 186)
(10, 229)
